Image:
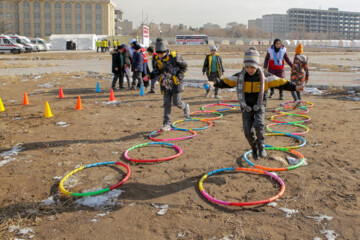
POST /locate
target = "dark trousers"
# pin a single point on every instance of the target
(118, 76)
(296, 95)
(153, 81)
(176, 99)
(137, 76)
(281, 94)
(254, 125)
(212, 77)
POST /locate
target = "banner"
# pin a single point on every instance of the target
(146, 36)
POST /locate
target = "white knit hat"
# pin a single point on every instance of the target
(213, 47)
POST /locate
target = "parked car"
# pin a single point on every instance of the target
(29, 47)
(8, 45)
(40, 41)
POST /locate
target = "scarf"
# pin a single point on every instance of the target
(278, 62)
(241, 92)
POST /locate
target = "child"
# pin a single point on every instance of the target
(213, 68)
(299, 73)
(152, 53)
(127, 63)
(171, 69)
(137, 66)
(118, 67)
(252, 84)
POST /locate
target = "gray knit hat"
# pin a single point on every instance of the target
(252, 57)
(213, 47)
(160, 46)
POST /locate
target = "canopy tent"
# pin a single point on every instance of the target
(62, 42)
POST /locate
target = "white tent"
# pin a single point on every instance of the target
(82, 41)
(239, 42)
(344, 43)
(286, 42)
(211, 42)
(254, 42)
(225, 42)
(355, 43)
(293, 43)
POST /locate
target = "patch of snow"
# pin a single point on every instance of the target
(46, 85)
(163, 208)
(101, 201)
(102, 214)
(272, 204)
(51, 218)
(12, 101)
(227, 237)
(25, 231)
(77, 166)
(37, 77)
(17, 119)
(4, 84)
(12, 228)
(313, 91)
(57, 177)
(25, 80)
(289, 212)
(94, 220)
(112, 103)
(329, 234)
(13, 152)
(320, 218)
(62, 124)
(48, 201)
(317, 238)
(292, 161)
(115, 153)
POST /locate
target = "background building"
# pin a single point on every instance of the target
(274, 24)
(126, 27)
(332, 23)
(41, 18)
(118, 20)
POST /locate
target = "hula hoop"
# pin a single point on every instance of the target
(172, 139)
(229, 101)
(302, 159)
(192, 119)
(207, 119)
(288, 106)
(307, 110)
(152, 160)
(294, 124)
(290, 114)
(303, 141)
(231, 107)
(221, 202)
(63, 190)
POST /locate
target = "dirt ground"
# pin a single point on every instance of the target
(162, 200)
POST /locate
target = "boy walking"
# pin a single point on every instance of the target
(252, 84)
(137, 66)
(213, 67)
(171, 69)
(118, 67)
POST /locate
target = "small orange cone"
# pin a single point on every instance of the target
(78, 104)
(112, 97)
(26, 99)
(2, 108)
(48, 113)
(61, 93)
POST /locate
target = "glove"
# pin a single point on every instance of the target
(146, 78)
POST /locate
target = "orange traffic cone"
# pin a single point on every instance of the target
(26, 100)
(61, 93)
(48, 113)
(112, 97)
(78, 104)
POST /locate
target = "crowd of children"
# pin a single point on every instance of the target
(252, 82)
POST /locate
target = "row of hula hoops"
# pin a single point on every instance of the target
(256, 168)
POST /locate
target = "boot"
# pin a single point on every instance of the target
(254, 153)
(262, 151)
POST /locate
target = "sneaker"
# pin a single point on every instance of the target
(151, 91)
(207, 94)
(254, 153)
(271, 94)
(297, 104)
(262, 151)
(217, 96)
(166, 127)
(281, 98)
(187, 111)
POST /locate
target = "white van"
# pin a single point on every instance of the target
(42, 42)
(8, 45)
(29, 47)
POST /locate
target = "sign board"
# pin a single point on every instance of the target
(146, 36)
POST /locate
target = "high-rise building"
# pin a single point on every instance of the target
(335, 23)
(41, 18)
(274, 24)
(118, 20)
(126, 27)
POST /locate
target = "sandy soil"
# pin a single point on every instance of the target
(323, 195)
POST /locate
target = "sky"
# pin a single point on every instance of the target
(197, 12)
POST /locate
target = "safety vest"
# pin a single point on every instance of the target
(114, 42)
(97, 43)
(279, 55)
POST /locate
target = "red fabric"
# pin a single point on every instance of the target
(144, 55)
(276, 67)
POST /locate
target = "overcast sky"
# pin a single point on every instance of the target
(197, 12)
